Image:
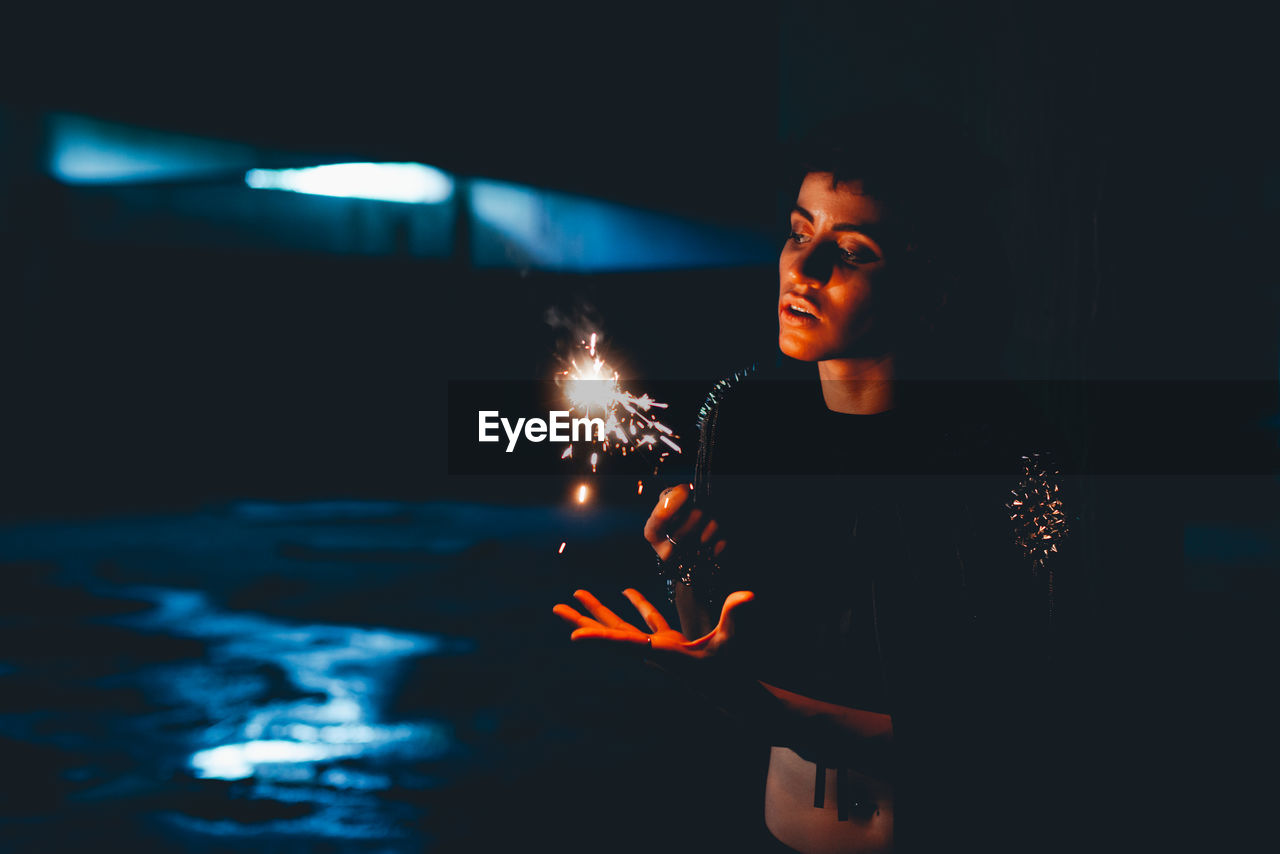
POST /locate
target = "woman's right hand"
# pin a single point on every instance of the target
(661, 644)
(676, 523)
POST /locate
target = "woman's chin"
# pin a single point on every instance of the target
(801, 351)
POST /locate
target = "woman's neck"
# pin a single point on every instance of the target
(858, 386)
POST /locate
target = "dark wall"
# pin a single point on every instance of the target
(1134, 147)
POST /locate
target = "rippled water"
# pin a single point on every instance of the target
(362, 677)
(329, 746)
(353, 676)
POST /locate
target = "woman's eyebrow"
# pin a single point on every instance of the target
(868, 231)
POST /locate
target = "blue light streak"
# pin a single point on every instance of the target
(414, 183)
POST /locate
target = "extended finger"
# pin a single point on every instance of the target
(600, 612)
(569, 615)
(691, 524)
(709, 531)
(634, 637)
(673, 504)
(671, 499)
(652, 616)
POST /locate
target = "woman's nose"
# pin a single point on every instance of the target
(813, 266)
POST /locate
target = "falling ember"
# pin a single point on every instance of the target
(562, 545)
(639, 487)
(582, 493)
(568, 452)
(594, 459)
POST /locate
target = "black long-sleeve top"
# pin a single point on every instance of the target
(890, 577)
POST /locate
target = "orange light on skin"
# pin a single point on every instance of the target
(562, 545)
(582, 494)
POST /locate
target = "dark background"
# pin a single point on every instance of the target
(1143, 190)
(1140, 192)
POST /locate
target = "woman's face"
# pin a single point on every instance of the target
(829, 274)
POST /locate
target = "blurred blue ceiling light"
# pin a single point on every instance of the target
(83, 150)
(527, 227)
(388, 182)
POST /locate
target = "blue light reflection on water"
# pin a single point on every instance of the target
(306, 623)
(326, 745)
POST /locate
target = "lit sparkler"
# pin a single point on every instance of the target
(592, 388)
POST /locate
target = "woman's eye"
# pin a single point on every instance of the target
(861, 255)
(797, 237)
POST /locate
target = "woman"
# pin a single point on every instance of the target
(881, 610)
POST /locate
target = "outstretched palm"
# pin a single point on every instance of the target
(605, 625)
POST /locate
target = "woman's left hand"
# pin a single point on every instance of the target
(664, 642)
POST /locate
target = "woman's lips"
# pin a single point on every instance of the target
(797, 314)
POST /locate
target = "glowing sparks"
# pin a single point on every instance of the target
(592, 388)
(1036, 509)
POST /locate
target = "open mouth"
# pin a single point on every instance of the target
(798, 313)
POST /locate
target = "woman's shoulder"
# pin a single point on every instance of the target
(989, 427)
